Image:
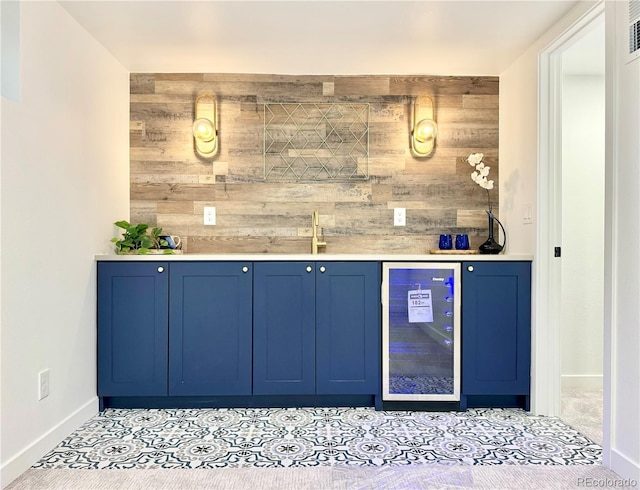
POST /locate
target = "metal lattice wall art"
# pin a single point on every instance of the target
(316, 142)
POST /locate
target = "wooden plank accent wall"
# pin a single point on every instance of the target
(171, 184)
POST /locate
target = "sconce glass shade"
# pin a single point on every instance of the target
(204, 127)
(203, 130)
(425, 129)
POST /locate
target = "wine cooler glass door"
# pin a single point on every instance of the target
(421, 331)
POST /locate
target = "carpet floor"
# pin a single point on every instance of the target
(389, 477)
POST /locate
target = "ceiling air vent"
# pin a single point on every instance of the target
(634, 30)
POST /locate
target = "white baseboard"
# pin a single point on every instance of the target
(22, 461)
(581, 381)
(624, 467)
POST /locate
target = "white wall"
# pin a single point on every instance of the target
(64, 181)
(10, 34)
(518, 150)
(3, 21)
(519, 138)
(582, 265)
(622, 309)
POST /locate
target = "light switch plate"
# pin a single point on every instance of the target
(527, 218)
(399, 216)
(43, 384)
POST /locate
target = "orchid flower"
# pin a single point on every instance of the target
(487, 184)
(480, 174)
(475, 158)
(484, 171)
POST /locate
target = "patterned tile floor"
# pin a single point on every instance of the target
(303, 437)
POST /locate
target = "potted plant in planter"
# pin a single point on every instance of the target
(138, 239)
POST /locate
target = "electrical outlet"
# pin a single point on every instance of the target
(209, 215)
(43, 384)
(399, 216)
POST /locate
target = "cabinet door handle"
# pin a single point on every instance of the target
(160, 269)
(322, 268)
(309, 269)
(245, 269)
(470, 268)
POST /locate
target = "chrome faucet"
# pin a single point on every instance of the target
(314, 240)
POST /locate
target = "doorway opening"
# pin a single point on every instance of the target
(569, 323)
(582, 228)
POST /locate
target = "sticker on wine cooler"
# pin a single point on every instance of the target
(420, 307)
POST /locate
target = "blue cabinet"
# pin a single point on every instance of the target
(132, 328)
(187, 332)
(496, 333)
(348, 328)
(210, 343)
(316, 328)
(284, 328)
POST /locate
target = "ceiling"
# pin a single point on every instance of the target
(439, 37)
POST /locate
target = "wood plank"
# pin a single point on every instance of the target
(164, 179)
(480, 101)
(361, 85)
(171, 192)
(141, 83)
(436, 85)
(142, 212)
(177, 77)
(265, 78)
(274, 244)
(176, 207)
(169, 167)
(275, 92)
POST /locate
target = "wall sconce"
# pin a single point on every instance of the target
(425, 129)
(205, 130)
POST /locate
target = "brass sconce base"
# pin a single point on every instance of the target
(425, 129)
(205, 127)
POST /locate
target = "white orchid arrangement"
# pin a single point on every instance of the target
(480, 174)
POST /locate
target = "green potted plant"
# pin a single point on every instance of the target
(138, 239)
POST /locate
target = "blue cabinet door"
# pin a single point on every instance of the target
(496, 328)
(348, 327)
(132, 328)
(284, 328)
(210, 328)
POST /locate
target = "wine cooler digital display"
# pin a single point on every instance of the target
(421, 331)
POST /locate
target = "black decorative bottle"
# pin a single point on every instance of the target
(491, 246)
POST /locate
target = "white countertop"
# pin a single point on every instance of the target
(266, 257)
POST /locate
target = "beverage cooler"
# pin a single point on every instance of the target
(421, 331)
